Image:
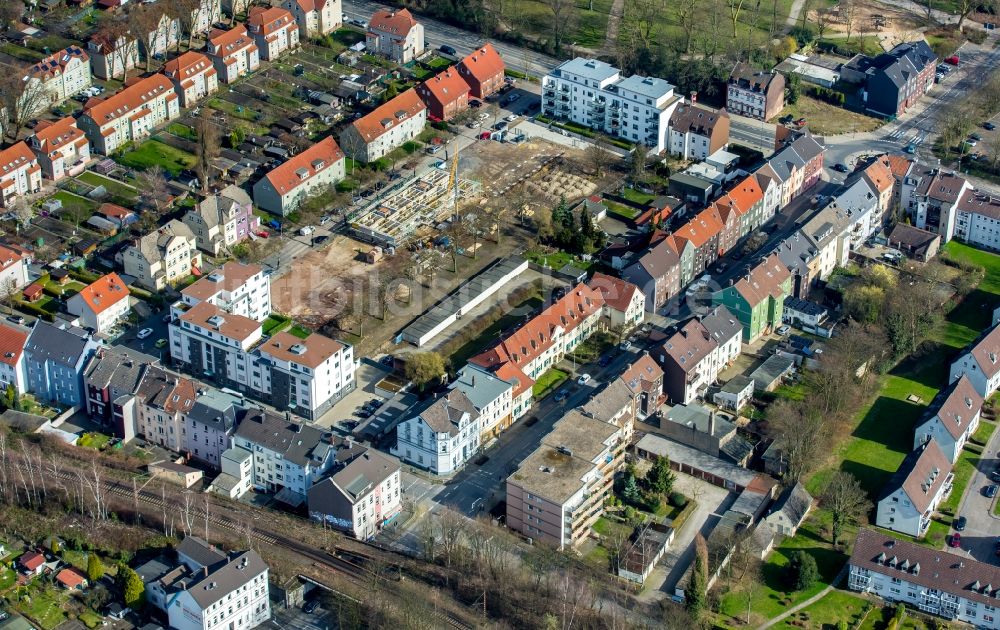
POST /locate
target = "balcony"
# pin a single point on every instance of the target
(549, 92)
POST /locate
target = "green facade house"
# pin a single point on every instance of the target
(757, 299)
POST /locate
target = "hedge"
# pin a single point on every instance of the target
(83, 275)
(35, 310)
(826, 94)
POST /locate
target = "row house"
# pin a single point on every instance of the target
(223, 220)
(20, 173)
(753, 93)
(858, 204)
(55, 356)
(592, 93)
(233, 53)
(207, 13)
(166, 36)
(111, 381)
(361, 497)
(162, 400)
(693, 357)
(162, 257)
(194, 77)
(616, 404)
(385, 128)
(312, 171)
(61, 148)
(559, 491)
(442, 435)
(935, 582)
(624, 302)
(980, 363)
(878, 173)
(130, 115)
(798, 166)
(12, 365)
(644, 380)
(697, 132)
(483, 71)
(235, 287)
(315, 18)
(697, 243)
(491, 396)
(62, 75)
(951, 419)
(112, 59)
(274, 30)
(977, 219)
(445, 94)
(395, 34)
(895, 80)
(747, 199)
(930, 196)
(757, 299)
(657, 274)
(913, 493)
(103, 305)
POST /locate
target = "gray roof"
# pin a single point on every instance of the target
(216, 409)
(221, 207)
(795, 502)
(807, 147)
(119, 368)
(300, 444)
(479, 385)
(237, 454)
(803, 306)
(658, 261)
(721, 324)
(201, 553)
(697, 460)
(444, 414)
(588, 68)
(860, 197)
(906, 59)
(698, 418)
(152, 570)
(651, 87)
(65, 345)
(771, 370)
(222, 578)
(608, 402)
(24, 422)
(796, 251)
(736, 448)
(736, 384)
(152, 245)
(363, 473)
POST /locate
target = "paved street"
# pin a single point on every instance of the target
(297, 619)
(981, 532)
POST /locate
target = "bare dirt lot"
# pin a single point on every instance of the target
(890, 24)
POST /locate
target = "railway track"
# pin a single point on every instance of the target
(347, 563)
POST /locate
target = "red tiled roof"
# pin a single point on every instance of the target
(32, 291)
(763, 281)
(103, 293)
(617, 293)
(385, 116)
(898, 165)
(70, 578)
(54, 64)
(111, 210)
(879, 173)
(231, 41)
(12, 342)
(14, 157)
(31, 560)
(131, 98)
(302, 167)
(54, 135)
(513, 374)
(699, 230)
(269, 20)
(446, 87)
(746, 193)
(188, 65)
(8, 257)
(397, 22)
(484, 63)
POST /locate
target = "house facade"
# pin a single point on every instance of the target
(894, 81)
(757, 300)
(951, 419)
(194, 77)
(385, 128)
(54, 358)
(112, 59)
(237, 288)
(445, 94)
(483, 70)
(315, 18)
(697, 132)
(980, 363)
(233, 53)
(442, 436)
(491, 396)
(657, 274)
(20, 173)
(62, 74)
(314, 170)
(287, 456)
(12, 366)
(274, 30)
(162, 258)
(222, 220)
(361, 497)
(693, 357)
(395, 34)
(102, 305)
(913, 493)
(61, 148)
(624, 303)
(130, 115)
(755, 93)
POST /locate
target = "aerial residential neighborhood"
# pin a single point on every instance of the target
(336, 314)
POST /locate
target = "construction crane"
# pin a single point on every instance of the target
(453, 184)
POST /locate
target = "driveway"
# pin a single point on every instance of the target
(980, 535)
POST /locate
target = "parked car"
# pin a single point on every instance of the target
(976, 137)
(561, 395)
(955, 541)
(512, 118)
(953, 60)
(17, 319)
(263, 234)
(310, 606)
(145, 332)
(626, 345)
(446, 49)
(485, 135)
(500, 126)
(989, 126)
(840, 168)
(783, 329)
(475, 102)
(161, 343)
(473, 125)
(306, 230)
(319, 240)
(991, 490)
(583, 380)
(604, 361)
(787, 118)
(960, 524)
(513, 97)
(995, 475)
(800, 122)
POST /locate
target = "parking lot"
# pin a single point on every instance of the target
(979, 538)
(298, 619)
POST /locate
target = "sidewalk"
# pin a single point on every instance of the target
(809, 602)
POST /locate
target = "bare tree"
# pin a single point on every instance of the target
(450, 532)
(151, 25)
(846, 500)
(207, 147)
(563, 20)
(153, 187)
(686, 12)
(240, 7)
(735, 8)
(23, 213)
(22, 97)
(187, 514)
(598, 155)
(966, 7)
(849, 12)
(10, 12)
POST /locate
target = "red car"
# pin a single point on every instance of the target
(263, 234)
(485, 135)
(800, 122)
(956, 540)
(953, 60)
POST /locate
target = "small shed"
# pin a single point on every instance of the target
(374, 255)
(85, 247)
(735, 394)
(173, 472)
(33, 292)
(59, 276)
(791, 508)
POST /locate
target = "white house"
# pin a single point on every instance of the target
(102, 305)
(977, 220)
(624, 303)
(20, 173)
(490, 395)
(274, 30)
(911, 496)
(12, 368)
(315, 17)
(165, 37)
(236, 477)
(223, 220)
(13, 269)
(361, 497)
(193, 75)
(63, 74)
(313, 171)
(386, 127)
(980, 363)
(241, 289)
(130, 115)
(233, 52)
(395, 34)
(951, 419)
(442, 436)
(163, 257)
(112, 59)
(61, 147)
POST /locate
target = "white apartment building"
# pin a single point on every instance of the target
(912, 495)
(62, 74)
(234, 288)
(955, 587)
(164, 38)
(395, 34)
(129, 115)
(980, 363)
(315, 17)
(102, 305)
(386, 127)
(13, 268)
(977, 220)
(314, 170)
(951, 419)
(162, 400)
(209, 12)
(593, 94)
(20, 173)
(112, 59)
(233, 52)
(274, 30)
(361, 497)
(61, 147)
(12, 368)
(288, 456)
(624, 303)
(491, 396)
(163, 257)
(236, 478)
(194, 77)
(442, 436)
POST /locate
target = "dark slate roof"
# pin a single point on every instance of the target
(794, 502)
(298, 443)
(803, 306)
(198, 551)
(64, 345)
(444, 414)
(118, 367)
(903, 60)
(736, 448)
(223, 576)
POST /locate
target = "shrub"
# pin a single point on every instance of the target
(677, 499)
(802, 571)
(410, 147)
(440, 125)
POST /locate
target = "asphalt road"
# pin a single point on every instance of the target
(981, 532)
(464, 42)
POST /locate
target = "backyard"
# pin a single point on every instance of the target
(155, 153)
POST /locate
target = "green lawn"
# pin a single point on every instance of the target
(90, 619)
(7, 578)
(984, 432)
(837, 606)
(626, 212)
(154, 152)
(556, 260)
(182, 131)
(547, 382)
(635, 196)
(300, 331)
(76, 209)
(275, 323)
(113, 186)
(96, 441)
(43, 605)
(963, 470)
(20, 52)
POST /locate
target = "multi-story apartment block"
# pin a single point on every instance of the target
(395, 34)
(55, 357)
(223, 220)
(129, 115)
(164, 257)
(483, 70)
(162, 399)
(913, 493)
(491, 396)
(758, 299)
(210, 423)
(445, 94)
(559, 491)
(644, 380)
(934, 582)
(615, 404)
(693, 357)
(61, 147)
(386, 127)
(102, 305)
(951, 419)
(274, 30)
(237, 288)
(361, 497)
(112, 59)
(13, 268)
(977, 219)
(62, 75)
(193, 75)
(314, 170)
(697, 132)
(657, 274)
(315, 17)
(207, 13)
(288, 457)
(233, 52)
(931, 196)
(592, 93)
(165, 37)
(895, 80)
(20, 173)
(755, 93)
(441, 436)
(980, 363)
(12, 367)
(111, 381)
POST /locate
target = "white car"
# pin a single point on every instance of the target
(512, 118)
(473, 125)
(483, 115)
(783, 330)
(583, 380)
(145, 332)
(306, 231)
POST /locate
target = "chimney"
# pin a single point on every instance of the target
(204, 571)
(694, 96)
(473, 379)
(711, 422)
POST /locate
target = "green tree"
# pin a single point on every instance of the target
(794, 89)
(134, 590)
(11, 398)
(237, 136)
(802, 571)
(424, 368)
(660, 478)
(630, 490)
(95, 569)
(697, 590)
